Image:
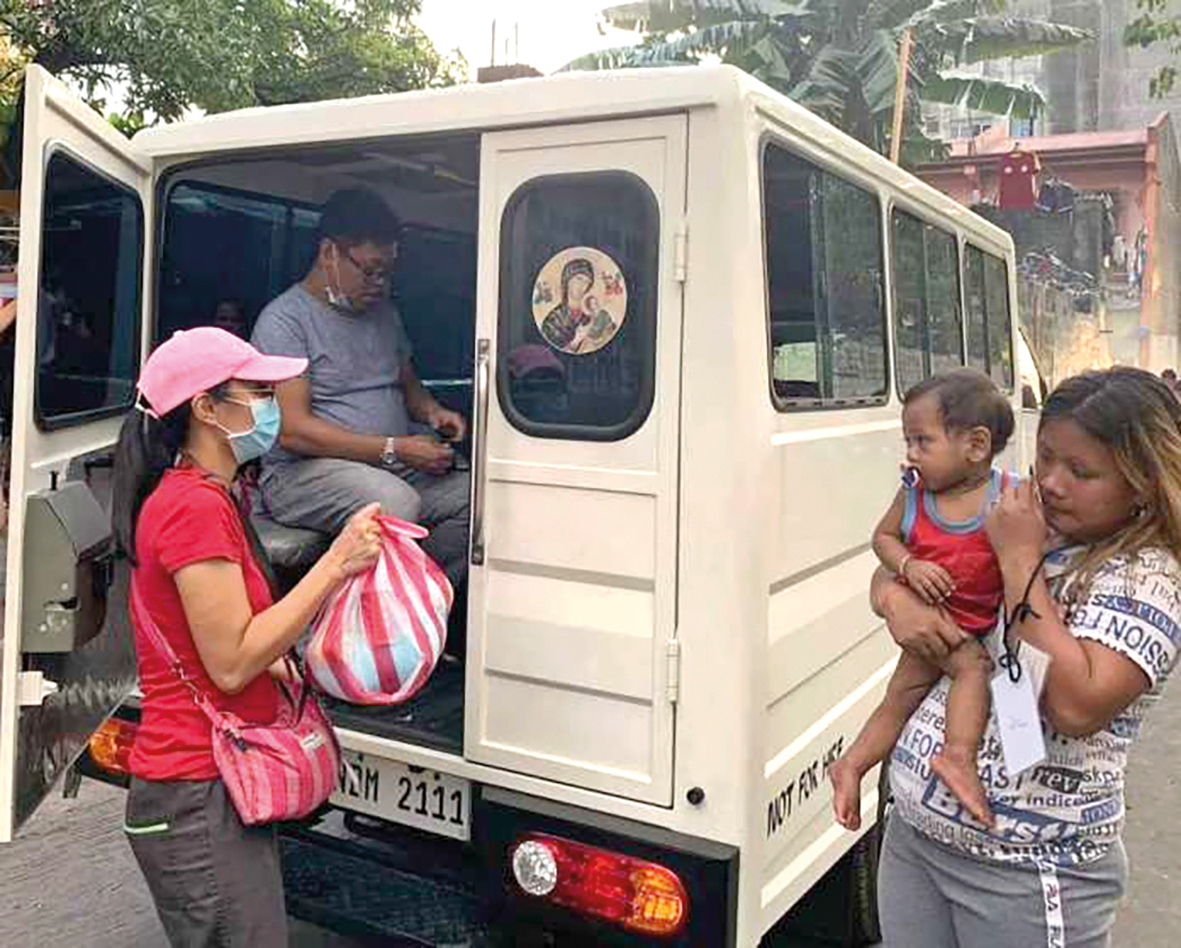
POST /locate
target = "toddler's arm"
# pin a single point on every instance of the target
(930, 580)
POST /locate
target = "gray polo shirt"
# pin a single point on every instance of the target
(355, 361)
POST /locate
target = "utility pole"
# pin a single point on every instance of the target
(493, 62)
(900, 94)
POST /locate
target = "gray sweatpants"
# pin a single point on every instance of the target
(322, 493)
(930, 896)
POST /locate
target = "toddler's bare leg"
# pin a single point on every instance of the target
(909, 684)
(967, 715)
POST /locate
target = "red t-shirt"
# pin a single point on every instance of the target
(188, 519)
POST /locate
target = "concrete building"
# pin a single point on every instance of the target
(1135, 257)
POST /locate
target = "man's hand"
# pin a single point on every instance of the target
(425, 453)
(450, 425)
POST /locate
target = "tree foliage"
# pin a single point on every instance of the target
(840, 57)
(167, 56)
(1156, 24)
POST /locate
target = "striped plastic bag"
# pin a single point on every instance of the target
(378, 637)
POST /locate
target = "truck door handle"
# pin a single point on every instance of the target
(480, 448)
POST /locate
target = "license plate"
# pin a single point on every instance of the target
(413, 796)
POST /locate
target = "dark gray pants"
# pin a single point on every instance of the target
(930, 896)
(322, 493)
(216, 882)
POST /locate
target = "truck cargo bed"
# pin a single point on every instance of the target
(433, 718)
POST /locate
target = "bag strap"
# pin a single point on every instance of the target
(152, 633)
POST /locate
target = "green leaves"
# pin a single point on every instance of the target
(986, 38)
(984, 95)
(840, 57)
(173, 55)
(665, 16)
(1156, 25)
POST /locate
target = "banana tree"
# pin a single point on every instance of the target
(840, 57)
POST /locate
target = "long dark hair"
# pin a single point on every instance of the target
(1136, 416)
(148, 446)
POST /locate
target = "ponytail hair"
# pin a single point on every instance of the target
(148, 446)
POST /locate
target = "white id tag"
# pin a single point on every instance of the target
(1019, 722)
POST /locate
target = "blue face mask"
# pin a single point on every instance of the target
(252, 444)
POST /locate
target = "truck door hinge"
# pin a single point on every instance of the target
(33, 688)
(681, 253)
(673, 654)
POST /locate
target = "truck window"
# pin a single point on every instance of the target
(88, 310)
(990, 342)
(928, 329)
(823, 251)
(576, 346)
(1000, 325)
(228, 244)
(264, 243)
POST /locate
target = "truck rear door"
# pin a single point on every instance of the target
(572, 654)
(67, 651)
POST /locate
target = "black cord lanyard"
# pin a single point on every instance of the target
(1022, 611)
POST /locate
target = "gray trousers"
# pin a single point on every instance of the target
(322, 493)
(930, 896)
(216, 882)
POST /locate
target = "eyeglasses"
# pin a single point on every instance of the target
(372, 273)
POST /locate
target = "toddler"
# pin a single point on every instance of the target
(933, 539)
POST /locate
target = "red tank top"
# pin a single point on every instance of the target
(963, 549)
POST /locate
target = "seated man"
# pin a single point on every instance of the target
(346, 438)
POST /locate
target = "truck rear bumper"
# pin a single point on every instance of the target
(367, 878)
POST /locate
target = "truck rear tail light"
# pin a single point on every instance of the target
(639, 896)
(110, 746)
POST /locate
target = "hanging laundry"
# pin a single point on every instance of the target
(1018, 174)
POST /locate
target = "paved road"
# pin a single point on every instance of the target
(71, 881)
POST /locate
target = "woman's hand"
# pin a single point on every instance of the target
(923, 630)
(1016, 525)
(358, 545)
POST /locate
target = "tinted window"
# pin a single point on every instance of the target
(928, 330)
(944, 320)
(222, 245)
(89, 298)
(578, 296)
(824, 284)
(977, 328)
(911, 343)
(264, 244)
(990, 333)
(1000, 325)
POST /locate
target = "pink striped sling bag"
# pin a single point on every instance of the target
(273, 772)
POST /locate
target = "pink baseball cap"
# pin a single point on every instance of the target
(196, 360)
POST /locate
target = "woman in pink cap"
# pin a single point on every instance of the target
(207, 407)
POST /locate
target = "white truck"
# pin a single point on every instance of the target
(668, 636)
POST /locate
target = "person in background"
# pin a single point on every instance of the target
(230, 315)
(1090, 546)
(347, 438)
(206, 407)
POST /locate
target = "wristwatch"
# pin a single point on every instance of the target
(389, 455)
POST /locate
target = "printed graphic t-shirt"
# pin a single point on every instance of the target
(1068, 809)
(188, 519)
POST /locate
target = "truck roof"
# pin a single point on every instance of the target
(521, 103)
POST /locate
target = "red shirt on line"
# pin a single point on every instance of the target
(188, 519)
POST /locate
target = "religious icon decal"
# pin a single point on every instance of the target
(579, 300)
